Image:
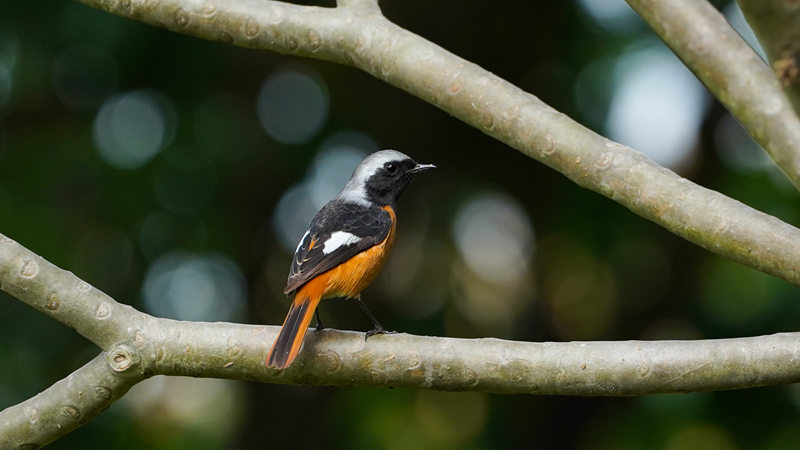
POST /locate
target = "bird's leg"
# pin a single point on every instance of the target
(378, 327)
(320, 326)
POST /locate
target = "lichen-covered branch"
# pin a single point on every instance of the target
(362, 37)
(732, 71)
(66, 405)
(776, 23)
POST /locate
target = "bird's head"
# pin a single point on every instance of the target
(381, 178)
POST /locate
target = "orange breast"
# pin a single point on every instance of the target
(354, 275)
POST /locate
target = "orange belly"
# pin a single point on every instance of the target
(354, 275)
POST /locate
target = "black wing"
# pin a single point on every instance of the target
(365, 227)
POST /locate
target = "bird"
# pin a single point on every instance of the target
(344, 247)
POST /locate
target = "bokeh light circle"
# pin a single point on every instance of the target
(494, 237)
(293, 106)
(614, 16)
(131, 128)
(657, 106)
(187, 286)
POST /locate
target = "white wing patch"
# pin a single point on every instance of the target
(338, 239)
(301, 242)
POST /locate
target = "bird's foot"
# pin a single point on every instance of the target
(319, 326)
(375, 331)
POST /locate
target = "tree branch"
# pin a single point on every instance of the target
(368, 41)
(732, 71)
(776, 23)
(371, 5)
(152, 346)
(63, 296)
(68, 404)
(342, 358)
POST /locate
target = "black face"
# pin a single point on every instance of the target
(389, 182)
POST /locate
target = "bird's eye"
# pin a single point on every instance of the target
(391, 168)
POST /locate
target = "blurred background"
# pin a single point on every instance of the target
(177, 175)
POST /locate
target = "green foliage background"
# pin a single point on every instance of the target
(630, 279)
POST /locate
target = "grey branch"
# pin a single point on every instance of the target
(62, 295)
(147, 346)
(362, 37)
(732, 71)
(66, 405)
(776, 23)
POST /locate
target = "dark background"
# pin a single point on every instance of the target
(490, 244)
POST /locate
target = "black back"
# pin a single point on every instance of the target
(370, 223)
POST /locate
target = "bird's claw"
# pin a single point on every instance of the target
(371, 333)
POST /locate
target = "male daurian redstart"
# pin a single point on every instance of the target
(345, 247)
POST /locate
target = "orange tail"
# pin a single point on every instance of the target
(290, 338)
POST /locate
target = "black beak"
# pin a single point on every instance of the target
(421, 167)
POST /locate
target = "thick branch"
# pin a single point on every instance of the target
(339, 358)
(776, 23)
(150, 346)
(224, 350)
(370, 42)
(63, 296)
(67, 404)
(371, 5)
(732, 71)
